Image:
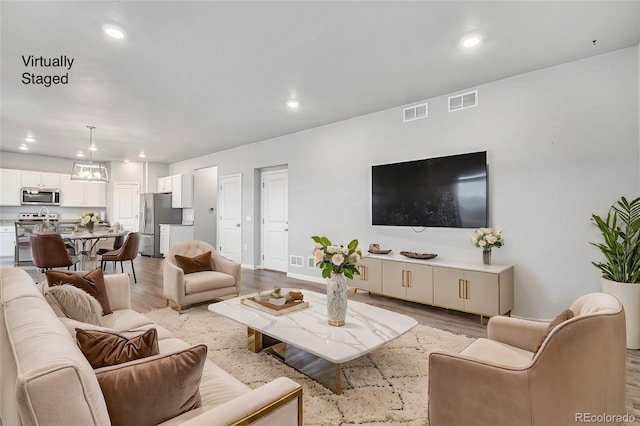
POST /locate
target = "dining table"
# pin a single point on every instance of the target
(88, 241)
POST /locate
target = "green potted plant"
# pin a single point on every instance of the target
(621, 268)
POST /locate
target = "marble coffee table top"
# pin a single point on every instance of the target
(367, 327)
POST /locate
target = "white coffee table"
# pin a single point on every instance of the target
(367, 328)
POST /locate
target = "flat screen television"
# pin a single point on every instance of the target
(434, 192)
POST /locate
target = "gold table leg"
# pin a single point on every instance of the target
(256, 342)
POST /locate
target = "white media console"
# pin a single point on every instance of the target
(486, 290)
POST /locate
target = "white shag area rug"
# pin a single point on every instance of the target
(387, 386)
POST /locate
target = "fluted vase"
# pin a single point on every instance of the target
(486, 256)
(337, 299)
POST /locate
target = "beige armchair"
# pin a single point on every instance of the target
(186, 289)
(578, 371)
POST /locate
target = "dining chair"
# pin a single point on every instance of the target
(128, 251)
(49, 251)
(117, 243)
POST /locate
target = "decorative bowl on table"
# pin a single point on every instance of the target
(414, 255)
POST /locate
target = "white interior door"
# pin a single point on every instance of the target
(126, 205)
(275, 220)
(230, 217)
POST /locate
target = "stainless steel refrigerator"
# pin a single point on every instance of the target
(154, 210)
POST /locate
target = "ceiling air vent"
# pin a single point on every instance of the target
(464, 100)
(415, 112)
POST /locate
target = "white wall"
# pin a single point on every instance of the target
(562, 142)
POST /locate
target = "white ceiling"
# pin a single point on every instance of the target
(192, 78)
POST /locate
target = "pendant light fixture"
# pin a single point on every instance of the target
(90, 171)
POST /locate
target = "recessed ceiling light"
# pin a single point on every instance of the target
(92, 147)
(29, 139)
(80, 154)
(24, 147)
(126, 160)
(113, 31)
(471, 41)
(293, 103)
(141, 155)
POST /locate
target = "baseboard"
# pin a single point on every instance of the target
(318, 280)
(247, 266)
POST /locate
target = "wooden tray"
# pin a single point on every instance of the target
(273, 309)
(414, 255)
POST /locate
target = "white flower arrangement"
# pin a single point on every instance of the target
(89, 216)
(337, 259)
(487, 238)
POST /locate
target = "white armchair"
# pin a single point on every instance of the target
(185, 289)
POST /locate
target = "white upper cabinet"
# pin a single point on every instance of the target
(10, 181)
(182, 191)
(164, 184)
(31, 179)
(82, 194)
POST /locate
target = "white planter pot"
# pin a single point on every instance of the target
(629, 296)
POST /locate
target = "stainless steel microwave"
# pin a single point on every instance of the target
(40, 196)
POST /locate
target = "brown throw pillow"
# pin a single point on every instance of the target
(92, 283)
(565, 315)
(199, 263)
(103, 349)
(153, 390)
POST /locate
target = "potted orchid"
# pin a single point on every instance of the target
(336, 262)
(487, 238)
(89, 219)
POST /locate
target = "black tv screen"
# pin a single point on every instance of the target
(434, 192)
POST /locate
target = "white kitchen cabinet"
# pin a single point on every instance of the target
(171, 235)
(10, 181)
(164, 184)
(7, 240)
(31, 179)
(165, 234)
(182, 191)
(81, 194)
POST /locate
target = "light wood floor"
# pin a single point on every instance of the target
(146, 295)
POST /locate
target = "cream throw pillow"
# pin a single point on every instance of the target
(74, 303)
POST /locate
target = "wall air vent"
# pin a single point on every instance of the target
(296, 261)
(311, 262)
(462, 101)
(415, 112)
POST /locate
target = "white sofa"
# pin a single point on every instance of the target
(46, 380)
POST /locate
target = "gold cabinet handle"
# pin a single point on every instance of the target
(467, 293)
(460, 289)
(406, 278)
(363, 273)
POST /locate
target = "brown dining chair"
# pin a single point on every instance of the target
(49, 251)
(117, 243)
(128, 251)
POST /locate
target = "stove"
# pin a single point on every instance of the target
(37, 217)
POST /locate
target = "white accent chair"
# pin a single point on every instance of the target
(186, 289)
